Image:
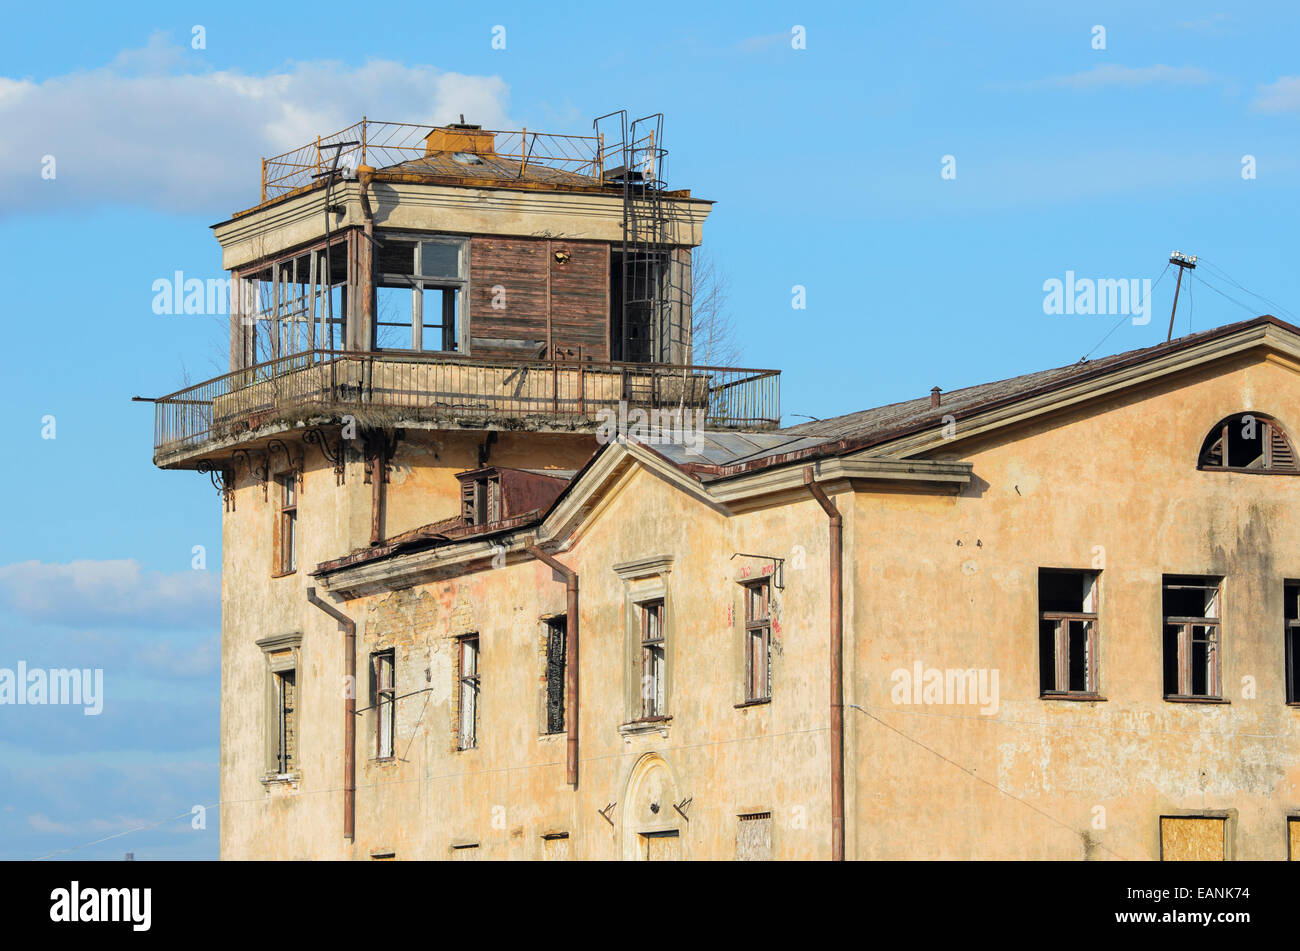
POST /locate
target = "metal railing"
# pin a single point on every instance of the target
(383, 144)
(415, 386)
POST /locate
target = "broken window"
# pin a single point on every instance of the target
(1291, 634)
(418, 293)
(754, 837)
(555, 647)
(470, 685)
(384, 699)
(1192, 660)
(292, 305)
(1067, 632)
(285, 683)
(652, 659)
(1248, 442)
(481, 500)
(287, 542)
(758, 640)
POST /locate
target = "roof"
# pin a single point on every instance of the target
(487, 167)
(724, 454)
(871, 426)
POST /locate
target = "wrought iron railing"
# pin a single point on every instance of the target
(415, 386)
(382, 144)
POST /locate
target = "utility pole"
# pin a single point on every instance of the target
(1183, 262)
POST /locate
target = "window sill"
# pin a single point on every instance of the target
(645, 725)
(283, 574)
(281, 779)
(1196, 700)
(752, 703)
(1084, 697)
(383, 760)
(1244, 469)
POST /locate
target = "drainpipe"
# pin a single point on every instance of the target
(837, 664)
(570, 659)
(349, 629)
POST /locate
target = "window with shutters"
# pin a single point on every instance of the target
(1067, 633)
(481, 500)
(555, 637)
(1249, 442)
(383, 698)
(1193, 655)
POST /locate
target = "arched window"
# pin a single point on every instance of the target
(1248, 442)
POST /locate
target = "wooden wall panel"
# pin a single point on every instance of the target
(564, 304)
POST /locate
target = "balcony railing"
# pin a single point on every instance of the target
(392, 386)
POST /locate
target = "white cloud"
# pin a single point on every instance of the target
(1113, 74)
(110, 593)
(156, 127)
(1280, 96)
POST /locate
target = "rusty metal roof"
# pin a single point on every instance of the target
(487, 167)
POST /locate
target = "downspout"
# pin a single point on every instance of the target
(349, 629)
(837, 663)
(570, 660)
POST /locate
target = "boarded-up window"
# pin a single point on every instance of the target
(555, 847)
(464, 853)
(1293, 838)
(1191, 839)
(754, 837)
(662, 846)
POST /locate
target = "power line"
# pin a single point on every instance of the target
(1125, 317)
(1220, 272)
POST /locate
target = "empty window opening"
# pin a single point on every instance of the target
(1192, 656)
(1248, 442)
(555, 647)
(1067, 631)
(758, 640)
(754, 837)
(286, 704)
(652, 659)
(383, 696)
(418, 294)
(470, 686)
(287, 542)
(1291, 633)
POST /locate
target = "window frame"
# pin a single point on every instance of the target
(654, 660)
(1063, 621)
(419, 283)
(760, 627)
(556, 629)
(468, 692)
(1186, 641)
(1271, 433)
(1291, 640)
(384, 700)
(286, 527)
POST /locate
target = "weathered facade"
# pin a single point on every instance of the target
(1051, 617)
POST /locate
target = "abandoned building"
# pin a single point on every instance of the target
(1051, 617)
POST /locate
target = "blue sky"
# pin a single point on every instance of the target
(826, 165)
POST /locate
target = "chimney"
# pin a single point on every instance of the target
(934, 396)
(459, 137)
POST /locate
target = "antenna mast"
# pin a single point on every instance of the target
(1183, 262)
